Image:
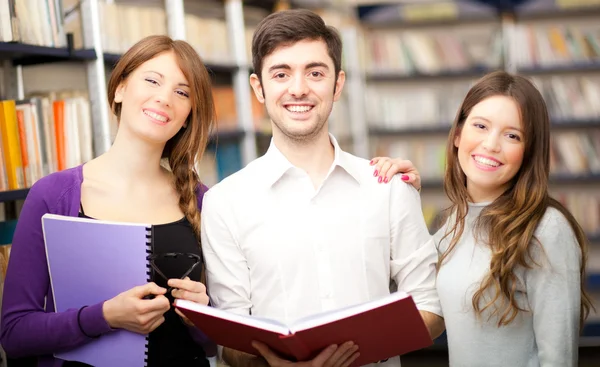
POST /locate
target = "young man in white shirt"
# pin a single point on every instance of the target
(306, 228)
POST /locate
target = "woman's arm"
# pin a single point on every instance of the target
(554, 292)
(27, 329)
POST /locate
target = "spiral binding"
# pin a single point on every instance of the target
(149, 236)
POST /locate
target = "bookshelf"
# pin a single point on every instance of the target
(418, 59)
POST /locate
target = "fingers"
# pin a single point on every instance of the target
(159, 303)
(324, 356)
(187, 285)
(374, 161)
(350, 354)
(341, 354)
(147, 289)
(189, 290)
(350, 360)
(201, 298)
(155, 324)
(267, 353)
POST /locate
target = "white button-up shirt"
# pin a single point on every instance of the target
(276, 247)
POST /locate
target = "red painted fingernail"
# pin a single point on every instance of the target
(375, 173)
(385, 180)
(379, 180)
(371, 163)
(404, 178)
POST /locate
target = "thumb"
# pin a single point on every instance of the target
(408, 177)
(149, 288)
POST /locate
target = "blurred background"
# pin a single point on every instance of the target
(409, 64)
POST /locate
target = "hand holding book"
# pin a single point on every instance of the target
(336, 356)
(382, 328)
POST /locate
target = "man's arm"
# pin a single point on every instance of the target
(434, 323)
(413, 253)
(227, 274)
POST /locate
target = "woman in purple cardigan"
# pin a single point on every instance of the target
(160, 92)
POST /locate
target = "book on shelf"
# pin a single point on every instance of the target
(382, 329)
(41, 134)
(90, 261)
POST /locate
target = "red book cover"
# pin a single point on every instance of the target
(383, 328)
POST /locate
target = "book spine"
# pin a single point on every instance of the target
(296, 347)
(149, 236)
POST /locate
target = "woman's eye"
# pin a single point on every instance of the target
(514, 137)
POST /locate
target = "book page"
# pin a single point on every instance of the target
(253, 321)
(342, 313)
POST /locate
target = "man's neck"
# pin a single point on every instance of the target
(314, 157)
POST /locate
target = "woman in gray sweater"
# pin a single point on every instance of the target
(512, 259)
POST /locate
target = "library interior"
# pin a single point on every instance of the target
(408, 64)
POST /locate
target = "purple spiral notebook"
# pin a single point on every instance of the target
(90, 261)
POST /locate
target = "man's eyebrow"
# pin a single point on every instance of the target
(279, 66)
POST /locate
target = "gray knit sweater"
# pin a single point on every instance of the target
(547, 334)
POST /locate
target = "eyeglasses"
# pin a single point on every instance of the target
(174, 255)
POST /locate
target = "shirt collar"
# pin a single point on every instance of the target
(277, 164)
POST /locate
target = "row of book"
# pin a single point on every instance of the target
(36, 22)
(124, 24)
(573, 153)
(557, 44)
(431, 51)
(394, 106)
(43, 134)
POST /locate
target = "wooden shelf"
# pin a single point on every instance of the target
(592, 66)
(444, 129)
(13, 195)
(475, 72)
(24, 54)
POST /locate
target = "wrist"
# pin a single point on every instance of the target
(109, 314)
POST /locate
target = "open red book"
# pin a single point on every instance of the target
(382, 329)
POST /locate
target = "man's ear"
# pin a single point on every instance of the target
(339, 85)
(119, 93)
(257, 88)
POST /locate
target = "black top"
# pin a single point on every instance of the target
(170, 344)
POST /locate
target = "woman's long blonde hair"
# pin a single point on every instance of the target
(510, 221)
(189, 143)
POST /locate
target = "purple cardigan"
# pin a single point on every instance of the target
(30, 327)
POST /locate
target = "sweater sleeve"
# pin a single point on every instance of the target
(27, 328)
(554, 291)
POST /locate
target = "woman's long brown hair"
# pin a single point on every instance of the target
(510, 221)
(189, 143)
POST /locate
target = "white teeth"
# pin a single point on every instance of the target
(298, 108)
(487, 162)
(156, 116)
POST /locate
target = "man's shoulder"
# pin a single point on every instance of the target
(363, 171)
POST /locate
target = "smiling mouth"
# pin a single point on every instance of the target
(486, 161)
(299, 109)
(156, 116)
